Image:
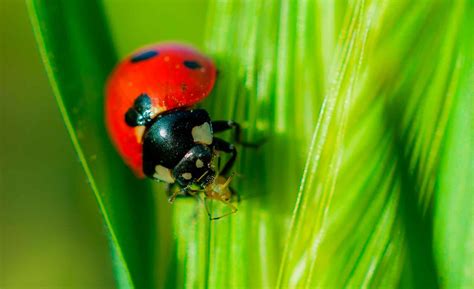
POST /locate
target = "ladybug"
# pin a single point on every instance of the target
(150, 116)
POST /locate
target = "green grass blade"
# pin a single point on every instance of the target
(454, 205)
(266, 84)
(363, 218)
(78, 55)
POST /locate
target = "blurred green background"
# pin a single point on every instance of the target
(51, 233)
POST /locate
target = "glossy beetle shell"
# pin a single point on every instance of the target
(172, 75)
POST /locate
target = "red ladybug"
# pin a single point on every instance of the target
(172, 76)
(151, 120)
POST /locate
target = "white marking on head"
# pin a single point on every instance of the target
(187, 176)
(202, 134)
(199, 163)
(163, 174)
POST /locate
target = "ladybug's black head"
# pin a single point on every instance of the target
(195, 168)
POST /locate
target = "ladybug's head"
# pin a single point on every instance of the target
(196, 168)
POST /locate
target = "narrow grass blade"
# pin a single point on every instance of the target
(78, 55)
(454, 203)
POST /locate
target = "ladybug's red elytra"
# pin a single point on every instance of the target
(151, 120)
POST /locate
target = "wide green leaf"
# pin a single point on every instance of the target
(78, 54)
(363, 217)
(270, 80)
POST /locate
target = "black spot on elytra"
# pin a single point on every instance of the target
(144, 56)
(140, 112)
(192, 64)
(184, 87)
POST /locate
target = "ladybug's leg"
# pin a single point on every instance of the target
(223, 146)
(223, 125)
(174, 191)
(171, 192)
